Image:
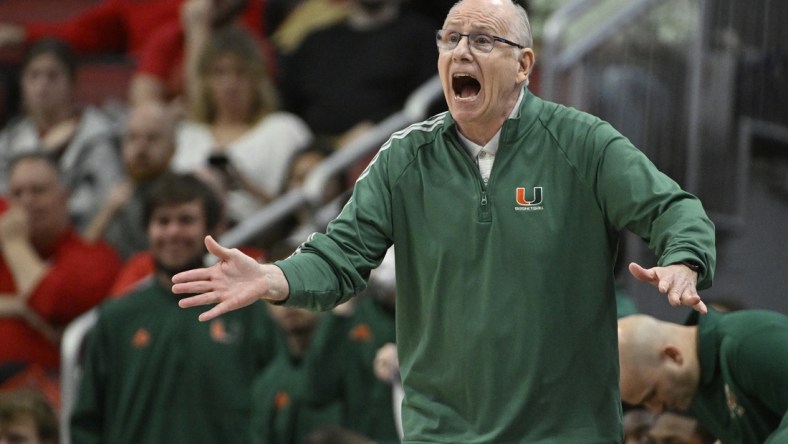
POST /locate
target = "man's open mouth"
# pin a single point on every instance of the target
(465, 86)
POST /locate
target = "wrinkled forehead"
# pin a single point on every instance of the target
(488, 16)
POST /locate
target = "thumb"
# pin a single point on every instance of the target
(641, 273)
(215, 249)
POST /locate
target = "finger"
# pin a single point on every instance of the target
(196, 287)
(674, 296)
(700, 307)
(215, 312)
(667, 286)
(690, 296)
(200, 299)
(198, 274)
(690, 300)
(682, 292)
(217, 250)
(641, 273)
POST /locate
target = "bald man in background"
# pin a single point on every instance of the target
(729, 370)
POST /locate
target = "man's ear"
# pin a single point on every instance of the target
(527, 60)
(672, 353)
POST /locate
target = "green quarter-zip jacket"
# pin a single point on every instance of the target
(506, 315)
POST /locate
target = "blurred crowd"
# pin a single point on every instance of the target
(228, 105)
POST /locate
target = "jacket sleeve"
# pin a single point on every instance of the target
(635, 195)
(330, 268)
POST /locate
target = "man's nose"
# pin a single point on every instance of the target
(463, 48)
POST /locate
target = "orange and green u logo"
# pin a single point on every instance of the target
(522, 200)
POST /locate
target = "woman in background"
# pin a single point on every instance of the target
(235, 125)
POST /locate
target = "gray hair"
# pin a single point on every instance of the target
(523, 27)
(522, 24)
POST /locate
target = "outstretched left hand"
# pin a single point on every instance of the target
(677, 280)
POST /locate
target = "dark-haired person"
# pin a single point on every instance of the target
(151, 374)
(26, 417)
(82, 140)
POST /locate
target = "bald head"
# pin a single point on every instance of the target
(639, 336)
(149, 141)
(658, 362)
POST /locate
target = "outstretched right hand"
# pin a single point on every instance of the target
(232, 283)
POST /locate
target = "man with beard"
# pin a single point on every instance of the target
(151, 374)
(147, 148)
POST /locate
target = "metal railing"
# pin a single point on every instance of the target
(559, 58)
(311, 193)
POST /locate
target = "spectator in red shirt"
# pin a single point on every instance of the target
(48, 274)
(167, 60)
(111, 26)
(124, 27)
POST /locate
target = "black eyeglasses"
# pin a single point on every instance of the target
(483, 43)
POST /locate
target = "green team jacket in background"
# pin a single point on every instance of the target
(153, 374)
(743, 392)
(343, 369)
(281, 413)
(506, 316)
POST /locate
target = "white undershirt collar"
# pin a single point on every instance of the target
(491, 146)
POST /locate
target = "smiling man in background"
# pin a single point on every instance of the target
(153, 375)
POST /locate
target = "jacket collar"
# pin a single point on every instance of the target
(515, 126)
